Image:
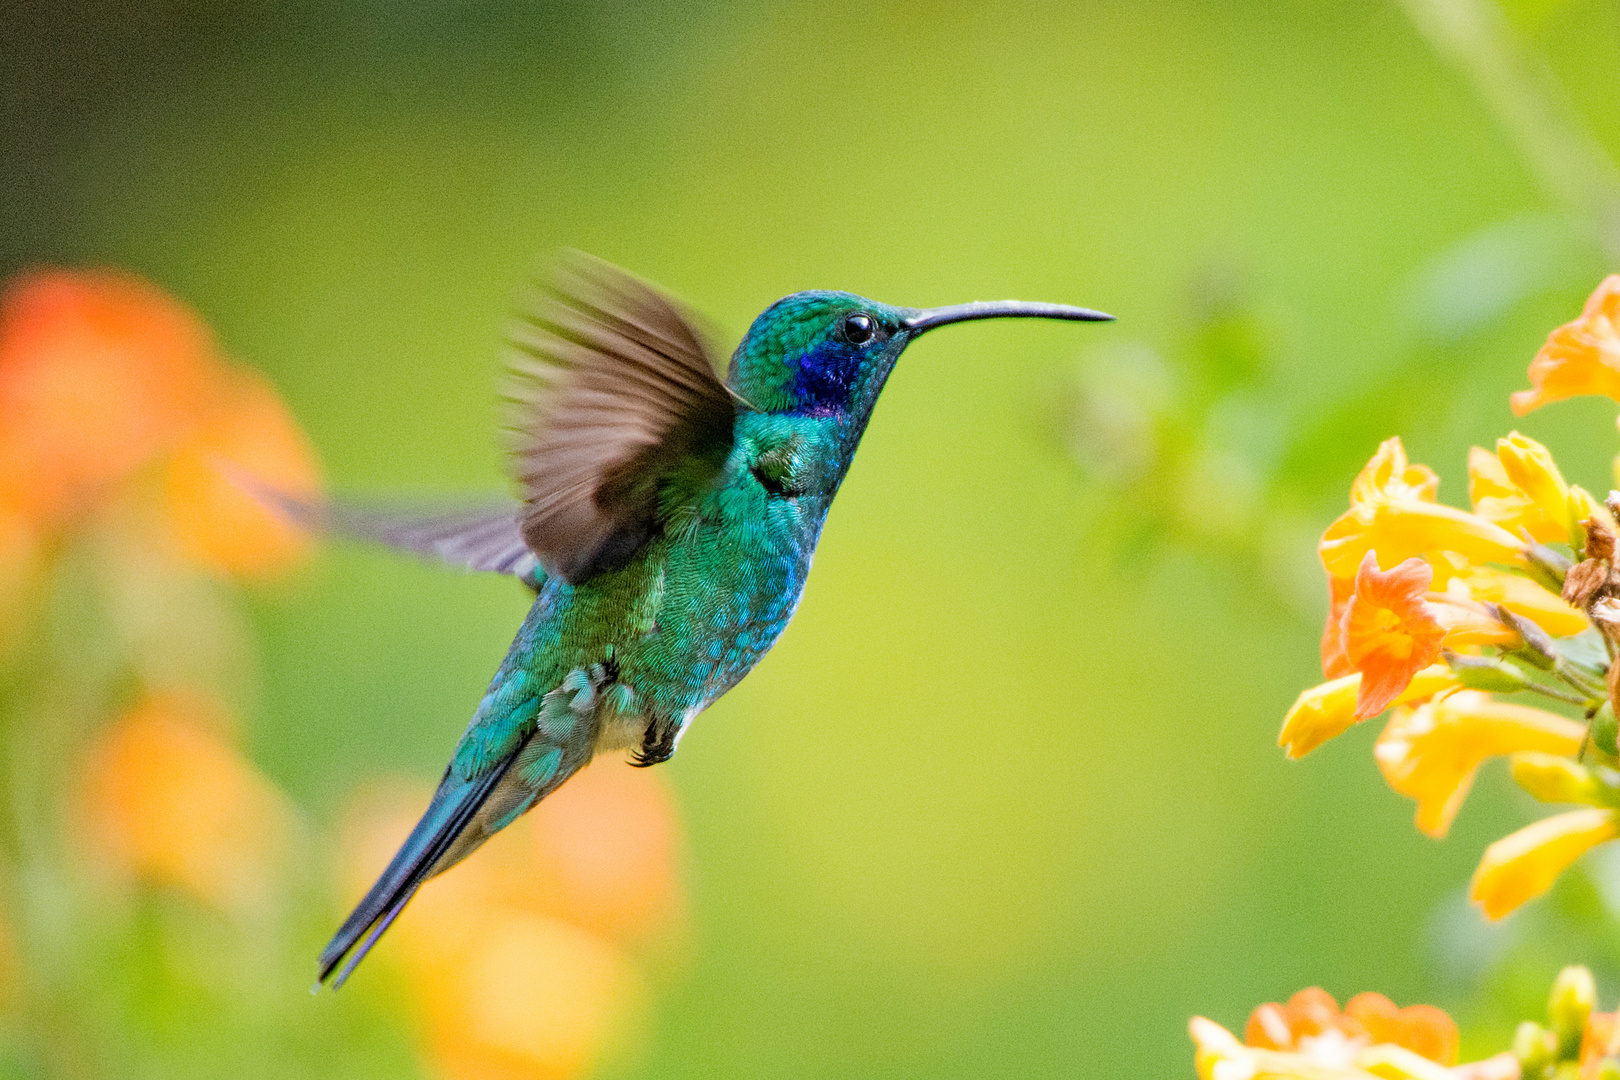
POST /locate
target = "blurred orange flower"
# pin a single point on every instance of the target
(1581, 357)
(1388, 633)
(1600, 1044)
(1523, 865)
(164, 798)
(215, 522)
(100, 375)
(98, 372)
(1430, 752)
(1367, 1018)
(519, 958)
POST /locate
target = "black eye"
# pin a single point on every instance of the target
(857, 328)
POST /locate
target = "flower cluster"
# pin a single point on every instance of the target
(1310, 1039)
(1438, 612)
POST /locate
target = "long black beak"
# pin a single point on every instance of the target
(997, 309)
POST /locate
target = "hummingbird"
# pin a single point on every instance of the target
(666, 523)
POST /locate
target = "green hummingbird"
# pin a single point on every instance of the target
(666, 524)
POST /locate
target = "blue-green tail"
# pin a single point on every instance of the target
(453, 808)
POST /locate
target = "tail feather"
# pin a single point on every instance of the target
(450, 812)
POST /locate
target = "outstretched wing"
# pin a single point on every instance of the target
(481, 536)
(613, 397)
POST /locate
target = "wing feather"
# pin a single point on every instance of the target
(612, 390)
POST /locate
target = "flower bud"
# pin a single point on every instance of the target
(1573, 994)
(1537, 648)
(1534, 1046)
(1604, 730)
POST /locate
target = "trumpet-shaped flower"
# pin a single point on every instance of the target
(1218, 1055)
(1388, 632)
(1523, 865)
(1392, 510)
(1403, 528)
(1329, 710)
(1430, 753)
(1520, 595)
(1581, 357)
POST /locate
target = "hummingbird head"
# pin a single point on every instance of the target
(823, 353)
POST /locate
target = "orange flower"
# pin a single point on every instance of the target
(1600, 1041)
(1430, 753)
(215, 522)
(1388, 633)
(164, 798)
(1523, 865)
(1329, 710)
(1335, 664)
(1582, 357)
(98, 372)
(1367, 1019)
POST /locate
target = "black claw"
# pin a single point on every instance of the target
(657, 744)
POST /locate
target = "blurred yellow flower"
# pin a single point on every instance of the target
(1328, 710)
(1581, 357)
(1430, 753)
(164, 798)
(1523, 865)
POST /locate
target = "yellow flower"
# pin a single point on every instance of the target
(1524, 865)
(1582, 357)
(1400, 528)
(1519, 595)
(1390, 476)
(1328, 710)
(1392, 509)
(1521, 489)
(1430, 753)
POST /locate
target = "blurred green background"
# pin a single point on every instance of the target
(1005, 798)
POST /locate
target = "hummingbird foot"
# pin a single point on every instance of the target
(657, 744)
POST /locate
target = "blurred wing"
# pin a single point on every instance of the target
(613, 393)
(478, 537)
